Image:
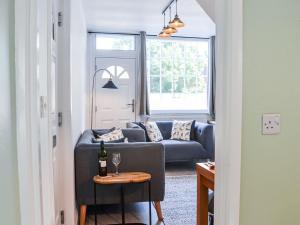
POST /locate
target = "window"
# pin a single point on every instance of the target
(115, 42)
(178, 75)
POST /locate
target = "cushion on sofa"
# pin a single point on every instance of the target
(99, 132)
(114, 136)
(142, 125)
(181, 130)
(165, 128)
(153, 132)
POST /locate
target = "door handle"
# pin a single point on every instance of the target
(132, 105)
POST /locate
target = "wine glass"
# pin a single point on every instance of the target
(116, 159)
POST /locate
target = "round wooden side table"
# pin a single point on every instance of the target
(123, 179)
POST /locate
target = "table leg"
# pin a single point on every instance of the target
(202, 202)
(122, 204)
(150, 214)
(95, 202)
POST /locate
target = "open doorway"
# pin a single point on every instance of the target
(233, 80)
(180, 82)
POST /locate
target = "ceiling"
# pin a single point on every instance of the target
(132, 16)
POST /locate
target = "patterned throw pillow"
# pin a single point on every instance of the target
(181, 130)
(153, 132)
(115, 135)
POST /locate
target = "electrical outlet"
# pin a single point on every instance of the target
(271, 124)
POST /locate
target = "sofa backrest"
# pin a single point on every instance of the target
(133, 135)
(165, 128)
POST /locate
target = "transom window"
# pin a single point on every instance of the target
(115, 42)
(178, 75)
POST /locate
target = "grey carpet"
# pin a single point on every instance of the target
(179, 206)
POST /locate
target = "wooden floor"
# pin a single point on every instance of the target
(138, 212)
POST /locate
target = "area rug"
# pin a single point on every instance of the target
(179, 206)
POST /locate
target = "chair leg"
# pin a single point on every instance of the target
(158, 211)
(82, 215)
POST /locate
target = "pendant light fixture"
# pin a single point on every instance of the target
(169, 29)
(176, 22)
(163, 34)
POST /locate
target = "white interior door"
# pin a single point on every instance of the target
(115, 107)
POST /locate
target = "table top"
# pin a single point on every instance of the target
(205, 170)
(123, 178)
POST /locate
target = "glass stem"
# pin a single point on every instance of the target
(117, 170)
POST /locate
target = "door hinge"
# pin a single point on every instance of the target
(60, 119)
(62, 217)
(60, 19)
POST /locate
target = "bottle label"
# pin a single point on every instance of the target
(102, 163)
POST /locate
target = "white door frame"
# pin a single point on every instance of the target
(93, 54)
(229, 15)
(229, 66)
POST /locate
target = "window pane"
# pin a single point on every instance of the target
(154, 66)
(154, 48)
(166, 67)
(166, 49)
(115, 42)
(179, 67)
(178, 84)
(166, 84)
(155, 84)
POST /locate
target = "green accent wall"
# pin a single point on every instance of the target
(9, 205)
(270, 176)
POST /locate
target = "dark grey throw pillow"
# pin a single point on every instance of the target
(141, 124)
(100, 132)
(193, 135)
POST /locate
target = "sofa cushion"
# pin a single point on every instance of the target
(176, 150)
(116, 135)
(142, 125)
(181, 130)
(99, 132)
(153, 131)
(165, 128)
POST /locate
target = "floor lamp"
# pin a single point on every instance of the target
(109, 85)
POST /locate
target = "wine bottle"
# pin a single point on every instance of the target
(102, 157)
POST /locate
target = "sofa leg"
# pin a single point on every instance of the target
(158, 211)
(82, 215)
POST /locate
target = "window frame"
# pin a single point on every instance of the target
(184, 112)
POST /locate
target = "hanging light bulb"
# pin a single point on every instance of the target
(169, 29)
(163, 34)
(176, 22)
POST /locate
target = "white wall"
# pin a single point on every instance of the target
(78, 59)
(209, 8)
(9, 207)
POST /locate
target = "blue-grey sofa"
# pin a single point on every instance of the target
(137, 155)
(200, 147)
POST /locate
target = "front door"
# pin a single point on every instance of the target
(115, 107)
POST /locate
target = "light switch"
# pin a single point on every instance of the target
(271, 124)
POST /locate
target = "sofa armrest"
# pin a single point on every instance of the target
(204, 134)
(141, 157)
